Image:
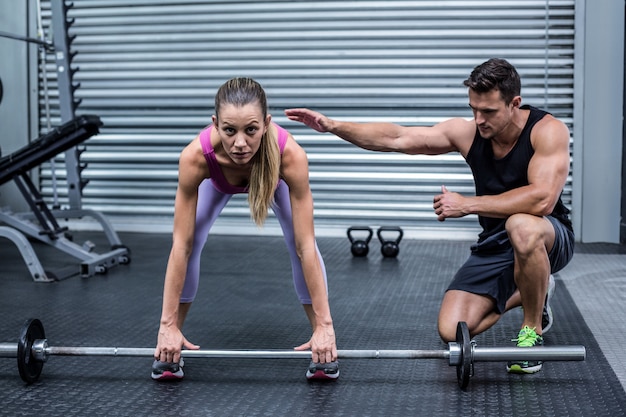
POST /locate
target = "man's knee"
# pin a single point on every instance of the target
(477, 311)
(526, 232)
(449, 319)
(447, 331)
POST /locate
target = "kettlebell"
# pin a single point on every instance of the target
(360, 247)
(390, 248)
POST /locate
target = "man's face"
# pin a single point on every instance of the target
(491, 114)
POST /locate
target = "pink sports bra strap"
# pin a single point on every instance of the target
(207, 149)
(282, 137)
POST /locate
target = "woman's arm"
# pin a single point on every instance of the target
(191, 174)
(295, 172)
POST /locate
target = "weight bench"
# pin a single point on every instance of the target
(41, 222)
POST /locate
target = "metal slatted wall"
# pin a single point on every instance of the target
(149, 69)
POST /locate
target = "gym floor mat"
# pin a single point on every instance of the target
(246, 301)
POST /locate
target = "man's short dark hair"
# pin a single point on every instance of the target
(493, 74)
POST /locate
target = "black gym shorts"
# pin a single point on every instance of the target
(489, 268)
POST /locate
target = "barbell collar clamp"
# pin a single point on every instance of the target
(40, 350)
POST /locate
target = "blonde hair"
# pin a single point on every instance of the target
(265, 170)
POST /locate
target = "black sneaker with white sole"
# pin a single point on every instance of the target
(167, 371)
(321, 371)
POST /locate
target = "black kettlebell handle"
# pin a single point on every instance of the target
(360, 228)
(396, 229)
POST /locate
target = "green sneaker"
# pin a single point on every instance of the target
(526, 338)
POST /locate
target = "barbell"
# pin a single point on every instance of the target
(32, 351)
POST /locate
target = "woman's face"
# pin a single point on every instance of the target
(241, 130)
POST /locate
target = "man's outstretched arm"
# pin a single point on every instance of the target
(389, 137)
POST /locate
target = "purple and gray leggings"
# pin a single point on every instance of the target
(211, 202)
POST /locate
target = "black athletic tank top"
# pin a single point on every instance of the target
(494, 176)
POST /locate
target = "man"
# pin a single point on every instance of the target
(519, 157)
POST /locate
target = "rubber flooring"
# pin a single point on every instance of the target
(246, 301)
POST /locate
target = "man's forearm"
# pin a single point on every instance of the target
(371, 136)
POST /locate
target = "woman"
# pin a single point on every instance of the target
(243, 152)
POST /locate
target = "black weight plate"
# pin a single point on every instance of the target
(463, 369)
(29, 367)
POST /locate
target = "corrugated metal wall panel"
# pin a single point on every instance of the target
(149, 69)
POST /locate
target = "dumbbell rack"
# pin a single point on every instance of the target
(40, 222)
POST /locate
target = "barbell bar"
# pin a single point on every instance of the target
(32, 351)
